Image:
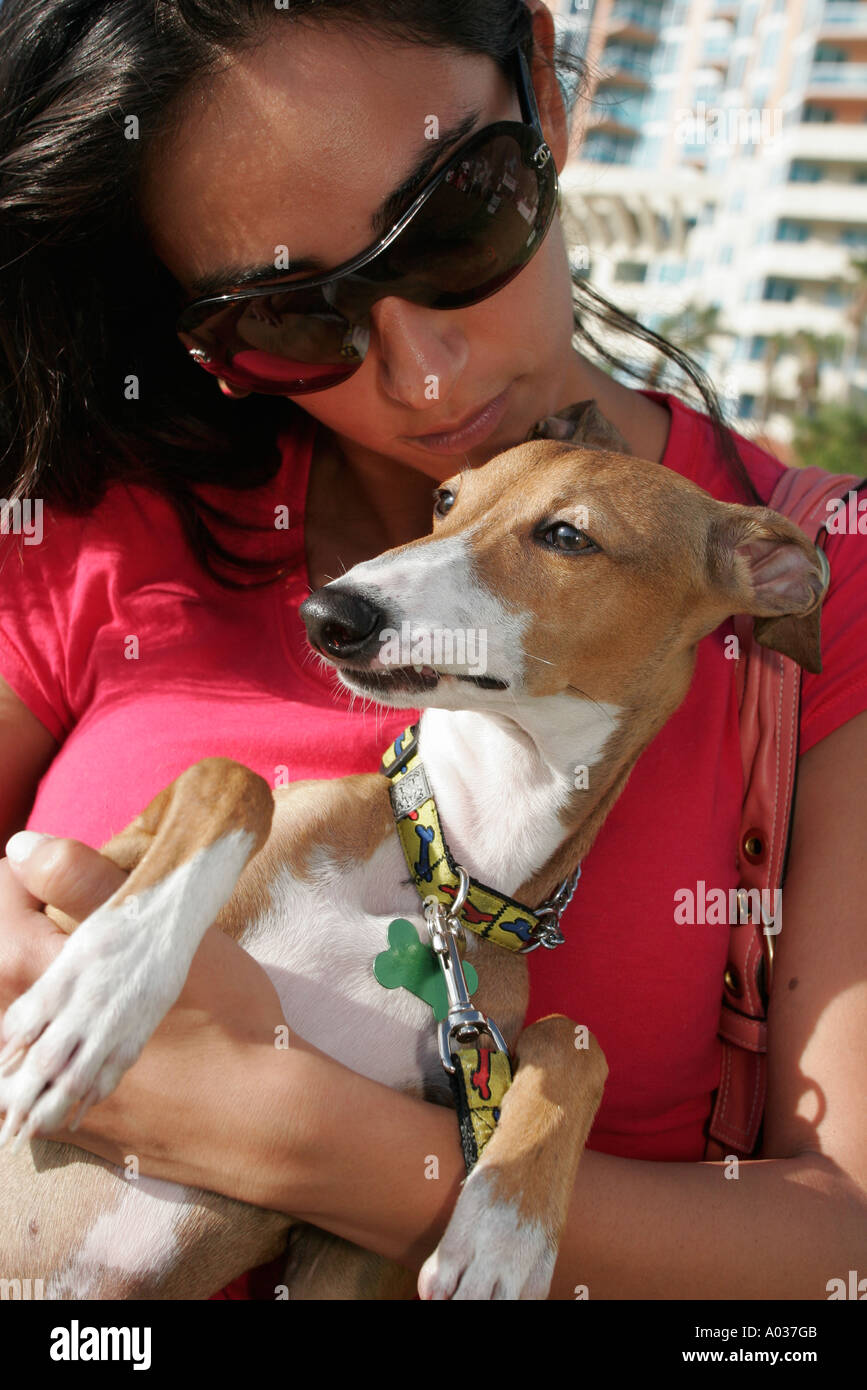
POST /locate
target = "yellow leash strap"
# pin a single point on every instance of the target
(489, 914)
(479, 1076)
(479, 1082)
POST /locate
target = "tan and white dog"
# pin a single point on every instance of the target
(593, 575)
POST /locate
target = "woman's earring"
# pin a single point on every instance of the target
(236, 393)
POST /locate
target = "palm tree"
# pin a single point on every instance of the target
(856, 313)
(835, 438)
(690, 329)
(776, 345)
(813, 351)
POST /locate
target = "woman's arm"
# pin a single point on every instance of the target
(294, 1130)
(26, 749)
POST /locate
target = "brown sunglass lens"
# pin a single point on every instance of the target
(480, 227)
(477, 229)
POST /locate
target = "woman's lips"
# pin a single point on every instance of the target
(474, 433)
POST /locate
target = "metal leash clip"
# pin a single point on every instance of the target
(462, 1022)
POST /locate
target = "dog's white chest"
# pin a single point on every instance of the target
(318, 941)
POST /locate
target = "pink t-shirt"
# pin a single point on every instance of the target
(140, 664)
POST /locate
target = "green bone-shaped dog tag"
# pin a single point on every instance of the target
(410, 964)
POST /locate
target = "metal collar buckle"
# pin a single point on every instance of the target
(463, 1022)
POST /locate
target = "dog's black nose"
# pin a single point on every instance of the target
(340, 622)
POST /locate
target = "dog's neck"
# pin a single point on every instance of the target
(522, 796)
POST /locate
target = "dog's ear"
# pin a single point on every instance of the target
(582, 423)
(766, 565)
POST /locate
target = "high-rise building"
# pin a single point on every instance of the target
(720, 159)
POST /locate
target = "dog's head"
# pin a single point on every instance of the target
(563, 564)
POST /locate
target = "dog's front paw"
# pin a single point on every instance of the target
(489, 1251)
(72, 1035)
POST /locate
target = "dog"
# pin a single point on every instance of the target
(594, 575)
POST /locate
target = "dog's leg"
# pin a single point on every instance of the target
(80, 1229)
(75, 1032)
(502, 1240)
(322, 1267)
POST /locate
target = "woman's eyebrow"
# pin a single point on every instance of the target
(216, 281)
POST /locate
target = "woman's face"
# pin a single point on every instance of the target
(297, 144)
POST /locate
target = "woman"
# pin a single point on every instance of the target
(156, 154)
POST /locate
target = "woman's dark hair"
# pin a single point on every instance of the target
(84, 303)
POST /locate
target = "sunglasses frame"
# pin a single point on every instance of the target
(200, 310)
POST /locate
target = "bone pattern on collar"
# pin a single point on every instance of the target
(491, 915)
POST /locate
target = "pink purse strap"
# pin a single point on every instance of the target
(769, 686)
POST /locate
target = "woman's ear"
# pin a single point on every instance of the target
(549, 98)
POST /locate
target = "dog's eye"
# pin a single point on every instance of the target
(443, 500)
(563, 536)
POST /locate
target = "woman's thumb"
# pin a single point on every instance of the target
(63, 873)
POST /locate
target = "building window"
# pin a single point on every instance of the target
(758, 98)
(836, 296)
(747, 15)
(770, 49)
(648, 151)
(609, 149)
(630, 272)
(820, 114)
(775, 288)
(788, 230)
(671, 274)
(746, 406)
(802, 171)
(854, 236)
(757, 347)
(667, 56)
(828, 53)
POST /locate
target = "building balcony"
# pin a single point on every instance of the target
(810, 260)
(843, 20)
(768, 317)
(619, 64)
(616, 107)
(614, 122)
(637, 23)
(825, 140)
(715, 57)
(805, 201)
(608, 145)
(837, 80)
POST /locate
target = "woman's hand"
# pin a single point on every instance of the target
(178, 1094)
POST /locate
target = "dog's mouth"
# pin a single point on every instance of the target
(411, 679)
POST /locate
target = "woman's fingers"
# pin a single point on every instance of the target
(65, 873)
(29, 940)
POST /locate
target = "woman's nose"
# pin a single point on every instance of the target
(422, 351)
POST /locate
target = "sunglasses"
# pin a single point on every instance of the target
(474, 226)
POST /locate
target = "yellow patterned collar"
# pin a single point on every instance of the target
(489, 914)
